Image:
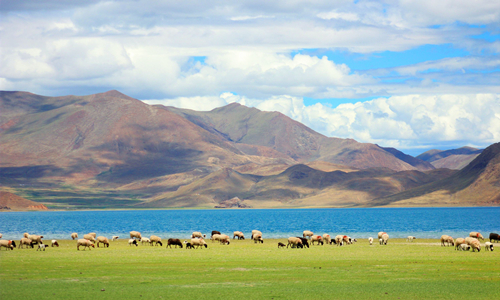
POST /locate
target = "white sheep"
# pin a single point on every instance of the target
(463, 247)
(224, 239)
(198, 234)
(410, 238)
(488, 246)
(25, 241)
(26, 235)
(254, 232)
(327, 238)
(74, 235)
(36, 239)
(145, 240)
(54, 243)
(84, 242)
(114, 238)
(380, 240)
(317, 238)
(215, 237)
(198, 243)
(380, 234)
(475, 245)
(458, 242)
(338, 240)
(239, 235)
(102, 240)
(89, 237)
(258, 238)
(135, 235)
(295, 242)
(448, 240)
(132, 242)
(93, 234)
(385, 238)
(370, 240)
(7, 244)
(156, 240)
(307, 234)
(476, 235)
(41, 247)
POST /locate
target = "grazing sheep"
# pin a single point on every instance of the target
(476, 235)
(281, 245)
(305, 241)
(199, 243)
(175, 242)
(488, 246)
(41, 247)
(189, 246)
(132, 242)
(239, 235)
(215, 237)
(25, 241)
(494, 237)
(224, 239)
(257, 238)
(458, 242)
(85, 243)
(215, 232)
(338, 240)
(135, 235)
(475, 245)
(114, 238)
(103, 240)
(468, 240)
(54, 243)
(327, 239)
(35, 239)
(380, 234)
(254, 232)
(295, 242)
(307, 234)
(347, 239)
(89, 237)
(318, 239)
(74, 235)
(198, 234)
(145, 240)
(93, 234)
(448, 240)
(463, 247)
(155, 239)
(26, 235)
(7, 244)
(380, 241)
(410, 238)
(370, 240)
(385, 238)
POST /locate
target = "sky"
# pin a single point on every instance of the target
(414, 75)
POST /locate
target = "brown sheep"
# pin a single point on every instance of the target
(175, 242)
(103, 240)
(84, 242)
(448, 240)
(26, 242)
(135, 235)
(89, 237)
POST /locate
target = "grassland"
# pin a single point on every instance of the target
(244, 270)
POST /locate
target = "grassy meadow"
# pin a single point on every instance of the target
(244, 270)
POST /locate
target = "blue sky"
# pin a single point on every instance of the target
(413, 75)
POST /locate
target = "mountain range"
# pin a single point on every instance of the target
(109, 150)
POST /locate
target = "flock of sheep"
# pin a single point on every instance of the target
(198, 240)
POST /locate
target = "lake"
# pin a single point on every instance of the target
(274, 223)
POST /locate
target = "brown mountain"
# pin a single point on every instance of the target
(476, 184)
(12, 202)
(451, 159)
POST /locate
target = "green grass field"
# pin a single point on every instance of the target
(244, 270)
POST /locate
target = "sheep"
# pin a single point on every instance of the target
(198, 234)
(224, 239)
(114, 238)
(25, 241)
(295, 242)
(132, 242)
(468, 240)
(458, 242)
(145, 240)
(215, 237)
(175, 242)
(385, 238)
(239, 235)
(327, 239)
(156, 240)
(54, 243)
(475, 245)
(380, 241)
(353, 240)
(189, 246)
(476, 235)
(74, 235)
(305, 242)
(370, 240)
(347, 239)
(448, 240)
(35, 239)
(84, 242)
(488, 246)
(254, 232)
(380, 234)
(102, 240)
(41, 247)
(281, 245)
(258, 238)
(215, 232)
(135, 235)
(8, 244)
(26, 235)
(410, 238)
(494, 237)
(318, 239)
(93, 234)
(463, 247)
(198, 243)
(338, 240)
(307, 234)
(89, 237)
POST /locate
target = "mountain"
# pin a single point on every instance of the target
(12, 202)
(476, 184)
(109, 150)
(451, 159)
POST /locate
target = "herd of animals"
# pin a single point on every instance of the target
(198, 240)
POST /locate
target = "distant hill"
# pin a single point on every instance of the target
(451, 159)
(12, 202)
(476, 184)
